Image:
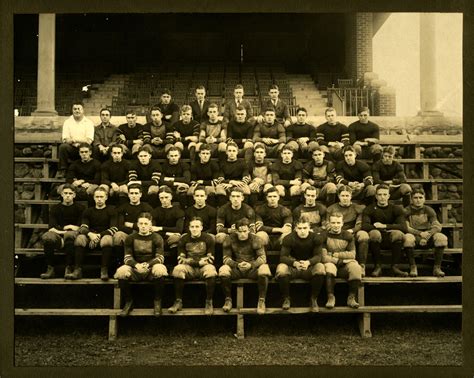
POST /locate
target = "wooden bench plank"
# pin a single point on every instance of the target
(41, 179)
(412, 280)
(35, 160)
(36, 202)
(62, 281)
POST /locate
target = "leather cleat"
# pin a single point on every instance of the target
(314, 305)
(377, 271)
(398, 273)
(351, 302)
(127, 308)
(68, 271)
(157, 307)
(77, 274)
(177, 305)
(331, 301)
(437, 272)
(413, 271)
(286, 303)
(261, 306)
(227, 305)
(104, 274)
(208, 309)
(48, 274)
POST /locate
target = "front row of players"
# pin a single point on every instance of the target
(319, 248)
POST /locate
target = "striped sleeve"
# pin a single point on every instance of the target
(320, 135)
(345, 139)
(159, 257)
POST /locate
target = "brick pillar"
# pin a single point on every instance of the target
(359, 30)
(385, 101)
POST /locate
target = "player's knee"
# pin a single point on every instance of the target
(295, 190)
(106, 241)
(123, 189)
(225, 271)
(221, 147)
(409, 240)
(81, 241)
(179, 271)
(263, 237)
(264, 270)
(105, 187)
(330, 269)
(440, 240)
(90, 190)
(173, 239)
(370, 191)
(179, 145)
(209, 271)
(318, 269)
(312, 145)
(282, 270)
(325, 149)
(49, 238)
(281, 190)
(119, 238)
(220, 237)
(355, 271)
(248, 145)
(153, 189)
(330, 188)
(375, 236)
(293, 145)
(123, 273)
(362, 236)
(376, 149)
(358, 149)
(159, 270)
(70, 235)
(396, 236)
(405, 189)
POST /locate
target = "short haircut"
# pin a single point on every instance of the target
(145, 215)
(68, 186)
(145, 148)
(200, 187)
(311, 187)
(101, 189)
(213, 105)
(199, 219)
(165, 189)
(204, 146)
(317, 148)
(344, 188)
(242, 222)
(418, 190)
(389, 150)
(273, 86)
(85, 145)
(364, 109)
(336, 214)
(382, 186)
(349, 148)
(302, 219)
(200, 87)
(135, 186)
(287, 147)
(116, 145)
(105, 110)
(165, 91)
(240, 108)
(130, 111)
(301, 109)
(236, 189)
(330, 109)
(269, 110)
(271, 190)
(238, 86)
(186, 108)
(232, 144)
(77, 102)
(155, 108)
(173, 148)
(259, 145)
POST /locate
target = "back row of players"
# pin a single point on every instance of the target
(317, 239)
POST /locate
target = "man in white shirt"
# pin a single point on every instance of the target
(77, 129)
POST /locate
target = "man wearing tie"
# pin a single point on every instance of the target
(200, 105)
(232, 105)
(282, 113)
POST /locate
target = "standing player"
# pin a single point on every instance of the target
(195, 260)
(270, 133)
(301, 258)
(320, 173)
(200, 105)
(273, 220)
(99, 224)
(339, 261)
(129, 133)
(314, 212)
(244, 256)
(390, 172)
(104, 136)
(355, 174)
(282, 112)
(386, 224)
(77, 129)
(332, 135)
(240, 131)
(185, 133)
(301, 136)
(213, 131)
(287, 175)
(364, 135)
(424, 230)
(352, 218)
(143, 261)
(114, 173)
(64, 222)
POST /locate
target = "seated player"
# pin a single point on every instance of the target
(185, 133)
(238, 100)
(301, 136)
(143, 261)
(352, 218)
(320, 173)
(154, 134)
(129, 133)
(200, 105)
(77, 129)
(386, 224)
(273, 220)
(390, 172)
(176, 175)
(355, 174)
(234, 172)
(98, 226)
(332, 135)
(127, 216)
(424, 231)
(231, 212)
(84, 174)
(300, 257)
(339, 261)
(169, 109)
(202, 210)
(260, 173)
(168, 219)
(213, 132)
(115, 173)
(195, 261)
(104, 136)
(64, 221)
(287, 175)
(270, 133)
(313, 211)
(240, 131)
(364, 135)
(205, 172)
(244, 257)
(146, 173)
(282, 112)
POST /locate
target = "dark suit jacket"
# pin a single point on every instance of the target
(231, 106)
(198, 115)
(282, 113)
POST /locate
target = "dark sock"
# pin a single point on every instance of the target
(316, 285)
(178, 288)
(284, 283)
(159, 285)
(105, 258)
(262, 283)
(226, 287)
(124, 286)
(210, 284)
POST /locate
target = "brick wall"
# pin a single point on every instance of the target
(358, 45)
(385, 102)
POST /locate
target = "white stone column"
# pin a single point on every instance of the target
(428, 97)
(46, 67)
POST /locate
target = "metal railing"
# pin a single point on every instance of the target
(348, 101)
